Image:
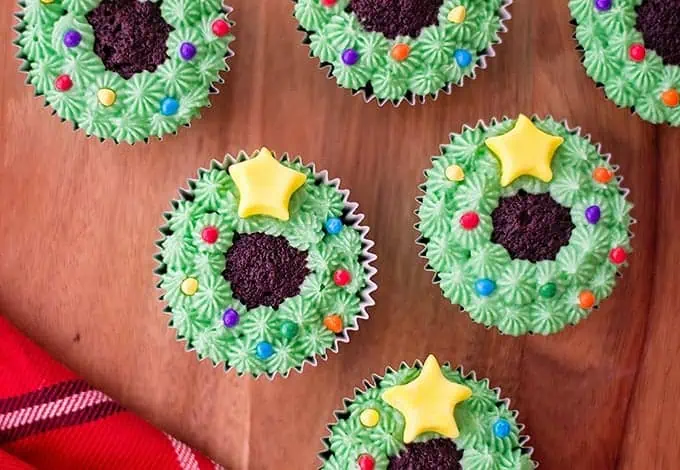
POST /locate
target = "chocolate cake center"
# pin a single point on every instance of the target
(435, 454)
(531, 226)
(659, 23)
(396, 17)
(130, 36)
(264, 270)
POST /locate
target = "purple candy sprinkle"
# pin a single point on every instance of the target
(187, 51)
(350, 56)
(603, 5)
(230, 318)
(72, 38)
(593, 214)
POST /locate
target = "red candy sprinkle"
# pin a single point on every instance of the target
(220, 28)
(329, 3)
(469, 220)
(342, 277)
(637, 52)
(210, 235)
(63, 83)
(366, 462)
(617, 255)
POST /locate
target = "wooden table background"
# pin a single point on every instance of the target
(78, 223)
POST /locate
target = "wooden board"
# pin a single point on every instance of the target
(78, 223)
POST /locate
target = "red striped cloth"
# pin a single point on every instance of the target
(50, 418)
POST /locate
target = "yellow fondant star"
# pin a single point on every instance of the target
(525, 150)
(265, 186)
(428, 402)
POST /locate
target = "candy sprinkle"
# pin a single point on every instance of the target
(63, 83)
(189, 286)
(107, 97)
(366, 462)
(501, 428)
(617, 255)
(333, 323)
(469, 220)
(637, 52)
(455, 173)
(220, 28)
(671, 98)
(350, 56)
(369, 418)
(485, 287)
(602, 175)
(264, 350)
(400, 52)
(586, 299)
(342, 277)
(230, 318)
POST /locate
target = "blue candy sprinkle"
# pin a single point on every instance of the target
(463, 57)
(485, 287)
(333, 226)
(264, 350)
(169, 106)
(501, 428)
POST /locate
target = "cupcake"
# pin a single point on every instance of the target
(264, 265)
(631, 49)
(426, 417)
(124, 70)
(524, 224)
(396, 50)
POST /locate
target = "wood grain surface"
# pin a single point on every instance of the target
(78, 222)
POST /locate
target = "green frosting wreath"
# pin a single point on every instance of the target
(490, 435)
(73, 77)
(518, 295)
(405, 67)
(615, 57)
(294, 333)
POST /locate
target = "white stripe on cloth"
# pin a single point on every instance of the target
(52, 409)
(185, 455)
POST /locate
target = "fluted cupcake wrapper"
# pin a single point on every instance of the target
(352, 219)
(422, 241)
(374, 381)
(412, 99)
(25, 68)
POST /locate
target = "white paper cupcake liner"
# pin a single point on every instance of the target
(422, 241)
(410, 98)
(374, 380)
(352, 218)
(24, 68)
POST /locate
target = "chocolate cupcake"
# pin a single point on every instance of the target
(124, 70)
(524, 224)
(631, 49)
(264, 265)
(426, 417)
(396, 50)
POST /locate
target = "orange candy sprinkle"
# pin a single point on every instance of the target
(602, 175)
(333, 323)
(671, 97)
(400, 52)
(586, 299)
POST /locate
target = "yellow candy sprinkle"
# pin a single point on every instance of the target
(455, 173)
(457, 14)
(369, 418)
(46, 2)
(106, 96)
(189, 286)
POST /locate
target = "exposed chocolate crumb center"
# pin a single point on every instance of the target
(130, 36)
(435, 454)
(396, 17)
(659, 23)
(264, 270)
(531, 226)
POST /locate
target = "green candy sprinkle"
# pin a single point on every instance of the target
(289, 330)
(548, 290)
